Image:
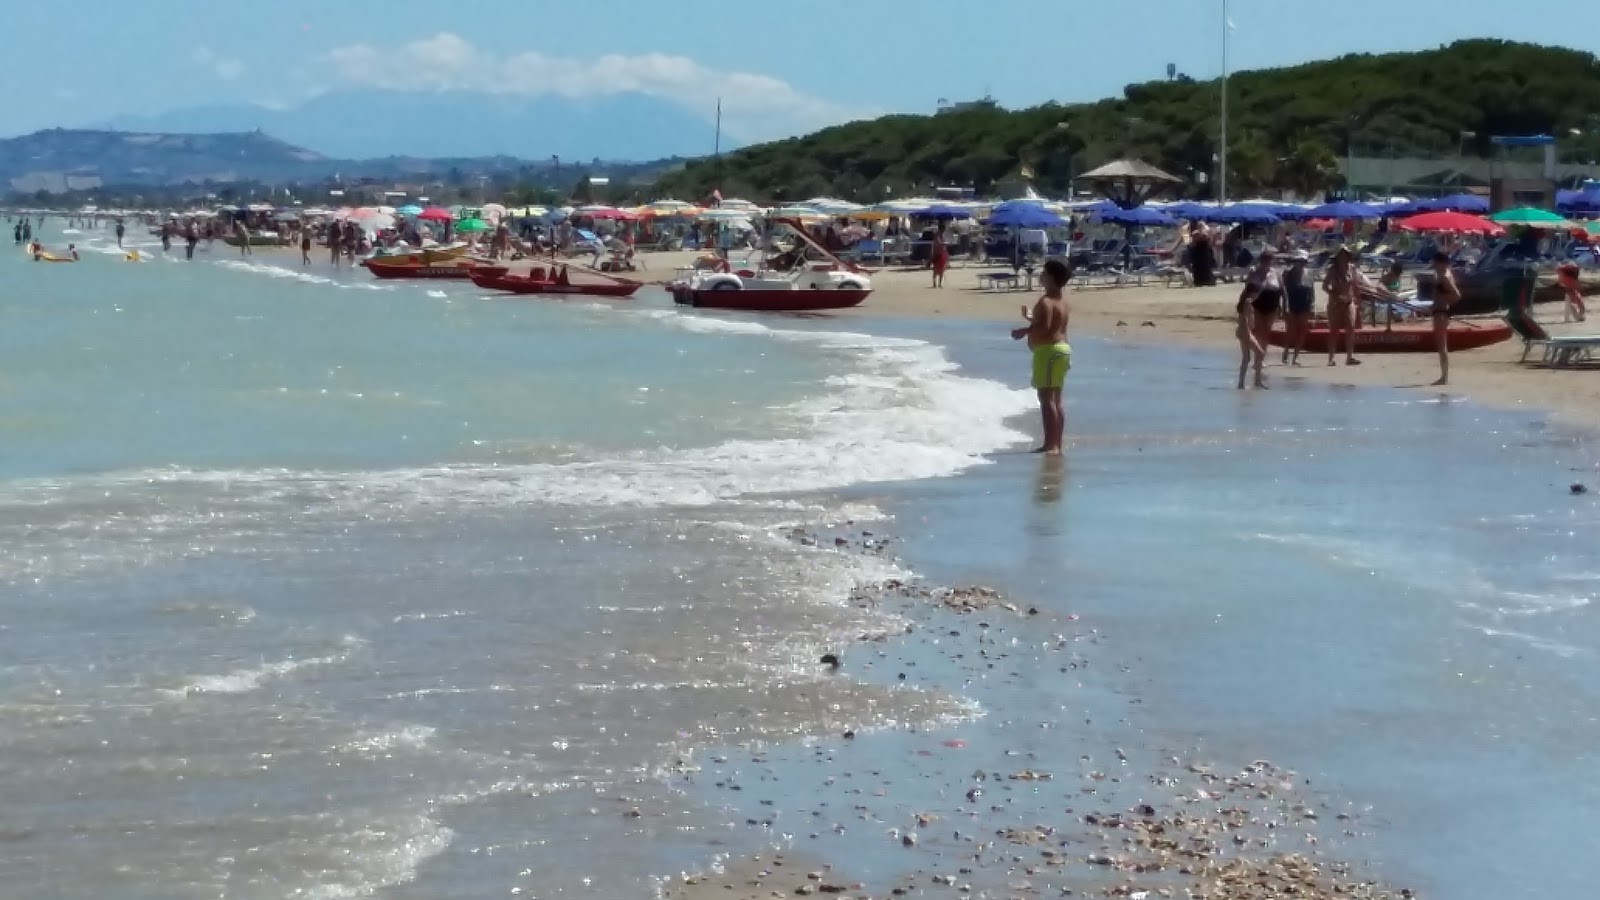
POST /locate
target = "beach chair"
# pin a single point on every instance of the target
(997, 281)
(1559, 352)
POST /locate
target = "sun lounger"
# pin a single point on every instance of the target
(997, 281)
(1559, 352)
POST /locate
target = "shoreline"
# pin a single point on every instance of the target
(1203, 318)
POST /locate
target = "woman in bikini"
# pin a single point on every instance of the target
(1340, 286)
(1445, 295)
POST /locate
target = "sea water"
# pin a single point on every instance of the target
(1392, 592)
(314, 586)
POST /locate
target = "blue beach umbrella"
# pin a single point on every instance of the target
(1024, 215)
(1463, 203)
(1246, 214)
(1138, 217)
(943, 213)
(1343, 209)
(1188, 209)
(410, 209)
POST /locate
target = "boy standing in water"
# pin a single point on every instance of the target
(1046, 332)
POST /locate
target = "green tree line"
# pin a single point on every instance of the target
(1288, 128)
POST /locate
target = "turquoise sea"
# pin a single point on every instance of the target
(315, 586)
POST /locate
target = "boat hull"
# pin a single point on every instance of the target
(419, 257)
(769, 301)
(1404, 338)
(455, 272)
(493, 280)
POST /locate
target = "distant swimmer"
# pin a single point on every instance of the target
(1046, 332)
(17, 231)
(73, 249)
(119, 234)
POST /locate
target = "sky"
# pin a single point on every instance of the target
(779, 68)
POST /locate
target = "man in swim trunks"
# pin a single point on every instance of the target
(1046, 332)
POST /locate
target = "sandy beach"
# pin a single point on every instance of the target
(1203, 317)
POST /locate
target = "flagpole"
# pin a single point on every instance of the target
(1222, 157)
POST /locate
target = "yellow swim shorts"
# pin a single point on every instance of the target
(1050, 365)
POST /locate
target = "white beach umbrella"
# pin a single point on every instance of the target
(903, 207)
(833, 206)
(736, 203)
(725, 215)
(669, 206)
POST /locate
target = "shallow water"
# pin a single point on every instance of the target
(1389, 591)
(316, 587)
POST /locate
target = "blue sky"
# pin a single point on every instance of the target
(781, 68)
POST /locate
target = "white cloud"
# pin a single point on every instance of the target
(754, 106)
(223, 67)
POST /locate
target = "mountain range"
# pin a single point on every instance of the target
(363, 124)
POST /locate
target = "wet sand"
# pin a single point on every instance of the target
(1052, 793)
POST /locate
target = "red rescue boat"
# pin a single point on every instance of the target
(537, 282)
(1405, 338)
(425, 265)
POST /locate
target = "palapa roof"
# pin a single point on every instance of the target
(1136, 169)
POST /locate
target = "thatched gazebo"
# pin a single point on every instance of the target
(1129, 182)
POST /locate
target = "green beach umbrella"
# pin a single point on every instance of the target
(468, 226)
(1531, 217)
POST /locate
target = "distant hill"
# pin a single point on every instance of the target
(360, 124)
(1288, 127)
(60, 159)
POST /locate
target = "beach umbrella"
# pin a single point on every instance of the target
(410, 209)
(1456, 222)
(436, 214)
(943, 212)
(607, 213)
(1318, 224)
(1138, 217)
(1342, 210)
(869, 215)
(1243, 213)
(1188, 209)
(725, 215)
(833, 206)
(1531, 217)
(904, 207)
(494, 212)
(669, 207)
(471, 226)
(1024, 215)
(1464, 203)
(795, 212)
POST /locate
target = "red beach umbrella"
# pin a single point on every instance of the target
(619, 215)
(436, 214)
(1459, 223)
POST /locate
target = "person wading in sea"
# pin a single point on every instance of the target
(1046, 332)
(1445, 295)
